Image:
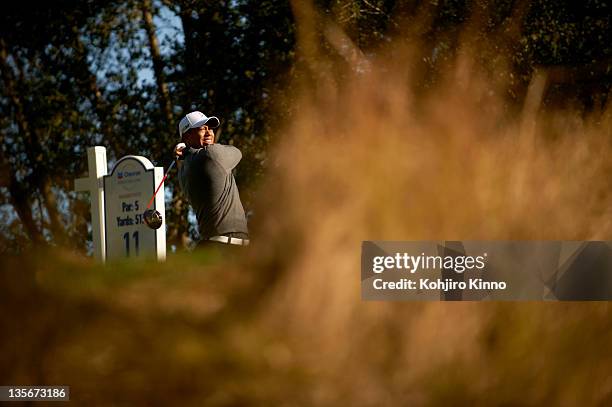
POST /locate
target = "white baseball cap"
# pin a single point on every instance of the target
(196, 119)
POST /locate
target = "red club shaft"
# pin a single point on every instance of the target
(161, 183)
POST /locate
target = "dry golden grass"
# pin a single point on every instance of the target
(363, 158)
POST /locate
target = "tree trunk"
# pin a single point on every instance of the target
(19, 198)
(178, 232)
(103, 110)
(158, 66)
(34, 152)
(189, 52)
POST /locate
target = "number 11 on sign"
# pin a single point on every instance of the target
(126, 237)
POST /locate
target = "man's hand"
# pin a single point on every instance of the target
(179, 150)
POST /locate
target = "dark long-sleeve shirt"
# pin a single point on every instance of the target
(207, 180)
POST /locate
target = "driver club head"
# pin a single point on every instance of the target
(153, 218)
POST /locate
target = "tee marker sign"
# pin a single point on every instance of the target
(118, 200)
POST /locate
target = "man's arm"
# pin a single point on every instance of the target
(227, 156)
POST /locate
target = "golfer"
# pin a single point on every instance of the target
(205, 176)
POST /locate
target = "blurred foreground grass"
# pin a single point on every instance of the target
(364, 156)
(137, 333)
(198, 331)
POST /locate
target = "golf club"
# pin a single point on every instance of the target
(153, 218)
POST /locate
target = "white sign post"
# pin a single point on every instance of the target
(127, 191)
(118, 202)
(96, 163)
